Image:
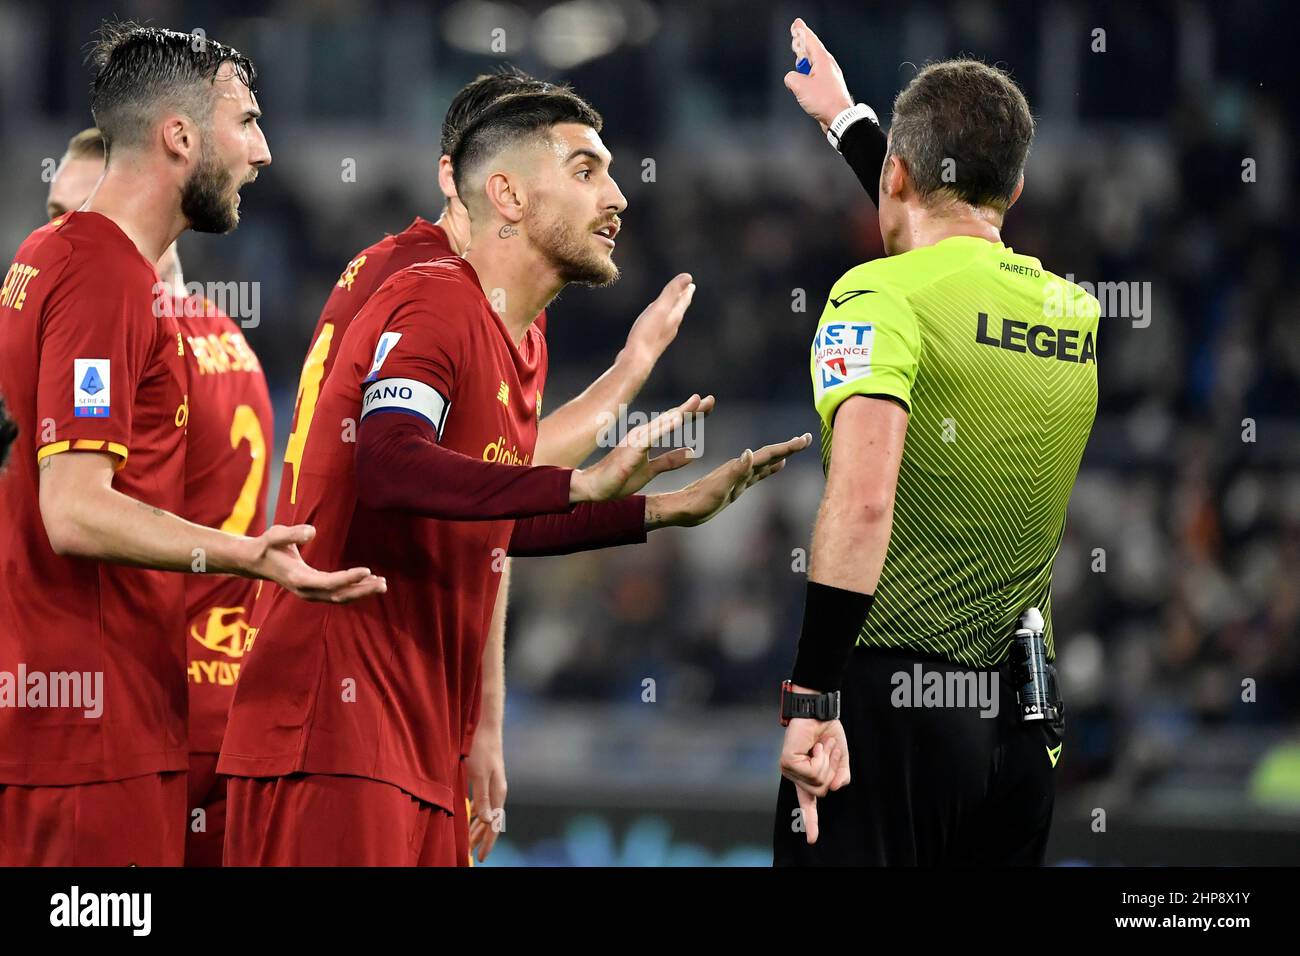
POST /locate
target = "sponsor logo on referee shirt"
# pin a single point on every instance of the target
(842, 352)
(1043, 341)
(845, 297)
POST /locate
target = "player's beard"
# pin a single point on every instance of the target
(207, 200)
(570, 250)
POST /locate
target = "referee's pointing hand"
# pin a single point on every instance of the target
(822, 92)
(815, 758)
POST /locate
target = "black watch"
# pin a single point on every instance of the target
(814, 706)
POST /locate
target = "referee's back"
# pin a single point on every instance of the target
(996, 360)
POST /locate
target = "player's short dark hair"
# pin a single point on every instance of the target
(963, 128)
(88, 144)
(512, 119)
(8, 432)
(480, 93)
(139, 70)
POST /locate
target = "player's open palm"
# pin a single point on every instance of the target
(657, 325)
(629, 468)
(815, 758)
(275, 557)
(703, 499)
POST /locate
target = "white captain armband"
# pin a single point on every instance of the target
(406, 395)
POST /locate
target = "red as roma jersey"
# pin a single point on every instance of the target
(381, 688)
(92, 654)
(421, 241)
(226, 464)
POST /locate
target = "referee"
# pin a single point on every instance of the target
(956, 383)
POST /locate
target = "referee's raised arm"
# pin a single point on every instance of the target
(852, 128)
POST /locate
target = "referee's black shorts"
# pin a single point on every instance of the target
(931, 786)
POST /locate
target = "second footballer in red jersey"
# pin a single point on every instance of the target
(388, 681)
(421, 441)
(565, 437)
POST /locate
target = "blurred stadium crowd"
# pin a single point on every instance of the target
(1137, 176)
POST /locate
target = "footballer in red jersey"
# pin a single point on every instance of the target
(344, 734)
(566, 436)
(76, 382)
(92, 661)
(226, 463)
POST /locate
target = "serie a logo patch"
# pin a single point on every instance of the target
(386, 343)
(841, 353)
(90, 388)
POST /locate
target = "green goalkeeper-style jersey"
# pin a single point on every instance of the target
(995, 359)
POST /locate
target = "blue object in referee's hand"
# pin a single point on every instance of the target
(803, 66)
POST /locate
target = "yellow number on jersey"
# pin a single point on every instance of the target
(245, 427)
(313, 371)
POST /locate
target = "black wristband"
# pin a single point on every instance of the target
(832, 619)
(863, 148)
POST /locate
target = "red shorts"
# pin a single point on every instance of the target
(328, 820)
(207, 792)
(139, 821)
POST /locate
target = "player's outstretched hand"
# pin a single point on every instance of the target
(274, 556)
(628, 468)
(703, 499)
(657, 325)
(815, 758)
(822, 93)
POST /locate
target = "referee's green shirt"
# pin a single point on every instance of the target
(996, 360)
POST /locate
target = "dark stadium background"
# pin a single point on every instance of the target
(1136, 176)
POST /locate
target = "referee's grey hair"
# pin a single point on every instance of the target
(963, 128)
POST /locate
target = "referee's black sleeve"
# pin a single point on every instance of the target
(863, 148)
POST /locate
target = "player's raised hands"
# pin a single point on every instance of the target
(703, 499)
(822, 93)
(628, 468)
(657, 325)
(815, 758)
(274, 556)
